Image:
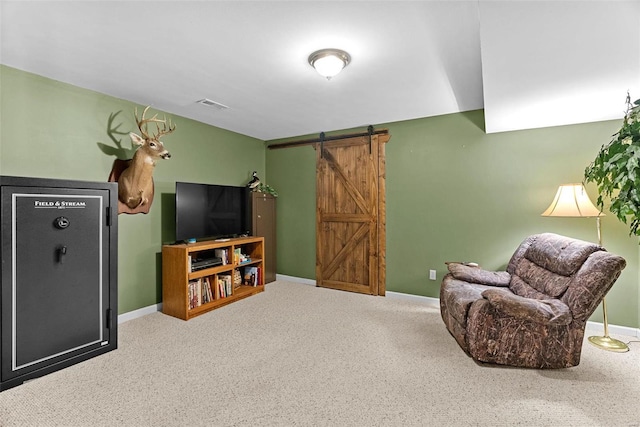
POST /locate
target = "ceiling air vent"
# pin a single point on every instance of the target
(214, 104)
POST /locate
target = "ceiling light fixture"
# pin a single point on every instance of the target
(329, 62)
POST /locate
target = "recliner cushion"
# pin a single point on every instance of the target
(523, 289)
(478, 275)
(546, 312)
(541, 279)
(560, 254)
(458, 297)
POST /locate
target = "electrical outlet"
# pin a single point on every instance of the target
(432, 275)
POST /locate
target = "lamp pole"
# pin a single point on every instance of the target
(606, 342)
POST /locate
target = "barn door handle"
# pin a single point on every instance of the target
(62, 251)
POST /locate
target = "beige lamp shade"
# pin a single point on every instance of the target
(572, 201)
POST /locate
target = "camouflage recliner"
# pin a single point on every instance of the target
(534, 314)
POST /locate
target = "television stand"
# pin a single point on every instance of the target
(189, 291)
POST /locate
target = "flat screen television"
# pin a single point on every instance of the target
(208, 211)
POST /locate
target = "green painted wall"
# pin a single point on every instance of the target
(455, 193)
(292, 172)
(51, 129)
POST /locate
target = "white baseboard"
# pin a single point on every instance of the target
(597, 328)
(417, 298)
(311, 282)
(125, 317)
(591, 328)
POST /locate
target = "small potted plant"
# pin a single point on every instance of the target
(266, 188)
(616, 170)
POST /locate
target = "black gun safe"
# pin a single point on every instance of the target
(58, 304)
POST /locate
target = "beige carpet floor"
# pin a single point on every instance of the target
(297, 355)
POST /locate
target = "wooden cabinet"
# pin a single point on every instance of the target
(263, 208)
(193, 282)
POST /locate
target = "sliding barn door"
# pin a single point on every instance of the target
(350, 201)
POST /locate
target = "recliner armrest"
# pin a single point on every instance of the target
(478, 275)
(547, 312)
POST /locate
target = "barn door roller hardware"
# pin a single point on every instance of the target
(323, 138)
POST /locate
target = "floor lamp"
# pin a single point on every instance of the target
(572, 200)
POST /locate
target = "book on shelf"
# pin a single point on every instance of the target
(200, 292)
(221, 292)
(207, 295)
(224, 285)
(194, 301)
(239, 257)
(223, 254)
(252, 276)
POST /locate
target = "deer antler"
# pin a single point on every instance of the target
(165, 130)
(142, 125)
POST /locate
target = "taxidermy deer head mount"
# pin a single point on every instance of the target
(135, 184)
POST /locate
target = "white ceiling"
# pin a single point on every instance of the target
(527, 63)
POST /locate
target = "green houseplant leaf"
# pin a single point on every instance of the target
(616, 170)
(266, 188)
